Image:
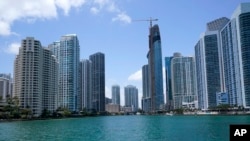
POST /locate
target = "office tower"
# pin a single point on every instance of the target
(85, 94)
(116, 94)
(235, 48)
(169, 96)
(183, 82)
(208, 64)
(146, 98)
(155, 69)
(35, 77)
(131, 97)
(98, 81)
(5, 86)
(67, 52)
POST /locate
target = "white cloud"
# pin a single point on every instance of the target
(4, 28)
(13, 48)
(11, 11)
(137, 76)
(123, 17)
(110, 6)
(94, 10)
(113, 8)
(32, 10)
(102, 3)
(67, 4)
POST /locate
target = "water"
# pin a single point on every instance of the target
(123, 128)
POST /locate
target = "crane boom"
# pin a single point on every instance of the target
(150, 20)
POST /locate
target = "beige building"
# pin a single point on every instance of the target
(112, 108)
(35, 77)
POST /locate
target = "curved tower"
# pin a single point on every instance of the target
(155, 69)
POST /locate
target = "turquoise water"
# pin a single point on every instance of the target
(123, 128)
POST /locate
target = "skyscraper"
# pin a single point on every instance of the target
(155, 69)
(50, 81)
(208, 64)
(67, 52)
(5, 86)
(183, 82)
(131, 97)
(169, 96)
(116, 94)
(235, 49)
(146, 98)
(85, 95)
(35, 77)
(98, 81)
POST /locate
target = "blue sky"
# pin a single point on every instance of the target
(108, 26)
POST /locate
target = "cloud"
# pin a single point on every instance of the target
(11, 11)
(67, 4)
(137, 76)
(32, 10)
(13, 48)
(94, 10)
(123, 17)
(110, 6)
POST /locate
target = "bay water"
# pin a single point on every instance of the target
(123, 128)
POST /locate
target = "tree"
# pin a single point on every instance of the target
(45, 113)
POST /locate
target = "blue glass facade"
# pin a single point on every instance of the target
(67, 52)
(169, 96)
(155, 69)
(244, 27)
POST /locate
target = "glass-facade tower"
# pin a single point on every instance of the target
(85, 95)
(208, 64)
(116, 94)
(131, 97)
(98, 81)
(146, 97)
(155, 69)
(235, 41)
(67, 52)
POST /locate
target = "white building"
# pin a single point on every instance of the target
(5, 86)
(183, 82)
(35, 77)
(235, 48)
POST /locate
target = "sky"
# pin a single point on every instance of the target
(110, 27)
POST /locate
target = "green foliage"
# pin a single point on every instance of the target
(179, 111)
(45, 113)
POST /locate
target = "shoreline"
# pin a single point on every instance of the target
(54, 118)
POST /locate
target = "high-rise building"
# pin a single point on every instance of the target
(146, 98)
(85, 95)
(98, 81)
(131, 97)
(5, 86)
(35, 77)
(50, 81)
(155, 69)
(183, 82)
(235, 50)
(67, 52)
(169, 96)
(208, 64)
(116, 94)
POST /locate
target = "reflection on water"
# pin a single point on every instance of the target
(162, 128)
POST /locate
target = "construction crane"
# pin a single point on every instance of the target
(150, 20)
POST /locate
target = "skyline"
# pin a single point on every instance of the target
(103, 31)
